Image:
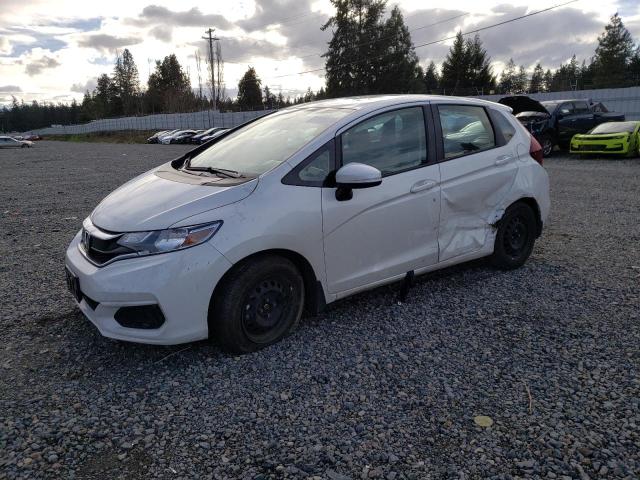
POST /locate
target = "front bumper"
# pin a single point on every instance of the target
(621, 146)
(180, 283)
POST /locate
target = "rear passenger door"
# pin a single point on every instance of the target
(478, 165)
(585, 120)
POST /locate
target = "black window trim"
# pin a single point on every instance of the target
(429, 136)
(438, 127)
(293, 178)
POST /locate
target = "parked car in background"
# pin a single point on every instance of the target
(166, 133)
(198, 137)
(184, 136)
(156, 136)
(10, 142)
(618, 138)
(302, 207)
(215, 134)
(32, 137)
(168, 138)
(556, 122)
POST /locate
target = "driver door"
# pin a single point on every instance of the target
(385, 231)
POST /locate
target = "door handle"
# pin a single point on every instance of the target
(502, 159)
(423, 185)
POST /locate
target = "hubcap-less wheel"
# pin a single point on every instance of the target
(515, 237)
(267, 304)
(258, 302)
(547, 147)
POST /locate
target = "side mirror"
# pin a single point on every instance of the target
(355, 175)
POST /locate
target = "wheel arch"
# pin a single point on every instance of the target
(314, 301)
(533, 204)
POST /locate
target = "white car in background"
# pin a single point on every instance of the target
(10, 142)
(302, 207)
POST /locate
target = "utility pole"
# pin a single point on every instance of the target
(210, 38)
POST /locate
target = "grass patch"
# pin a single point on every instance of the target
(124, 136)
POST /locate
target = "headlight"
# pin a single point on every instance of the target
(160, 241)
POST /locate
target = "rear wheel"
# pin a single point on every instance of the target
(259, 302)
(515, 237)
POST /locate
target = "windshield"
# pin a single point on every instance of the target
(615, 127)
(266, 143)
(550, 106)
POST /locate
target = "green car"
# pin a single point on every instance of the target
(619, 138)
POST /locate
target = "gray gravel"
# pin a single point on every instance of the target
(369, 389)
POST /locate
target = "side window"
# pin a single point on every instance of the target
(315, 170)
(466, 129)
(392, 141)
(581, 107)
(566, 109)
(503, 126)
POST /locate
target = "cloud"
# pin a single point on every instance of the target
(156, 14)
(105, 42)
(10, 89)
(162, 32)
(35, 67)
(89, 85)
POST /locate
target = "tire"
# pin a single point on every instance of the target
(259, 302)
(546, 142)
(515, 237)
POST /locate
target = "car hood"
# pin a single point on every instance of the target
(522, 103)
(155, 201)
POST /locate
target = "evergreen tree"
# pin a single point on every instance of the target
(168, 88)
(480, 73)
(269, 98)
(521, 81)
(368, 54)
(547, 80)
(126, 82)
(249, 94)
(613, 54)
(536, 84)
(508, 78)
(398, 70)
(455, 68)
(431, 78)
(103, 96)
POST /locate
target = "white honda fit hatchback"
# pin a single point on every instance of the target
(302, 207)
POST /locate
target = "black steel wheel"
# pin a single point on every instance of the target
(258, 303)
(515, 237)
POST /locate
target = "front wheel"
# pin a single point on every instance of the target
(546, 142)
(515, 237)
(258, 303)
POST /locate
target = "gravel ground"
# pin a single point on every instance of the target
(369, 389)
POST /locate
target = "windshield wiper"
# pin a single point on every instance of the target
(218, 171)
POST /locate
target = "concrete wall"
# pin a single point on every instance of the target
(163, 121)
(622, 100)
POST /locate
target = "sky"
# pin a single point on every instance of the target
(53, 50)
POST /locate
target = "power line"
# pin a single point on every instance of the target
(437, 41)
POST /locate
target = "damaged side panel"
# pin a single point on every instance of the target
(476, 195)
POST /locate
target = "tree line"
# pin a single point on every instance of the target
(369, 53)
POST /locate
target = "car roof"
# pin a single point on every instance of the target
(367, 103)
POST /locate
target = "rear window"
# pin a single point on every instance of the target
(466, 129)
(503, 126)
